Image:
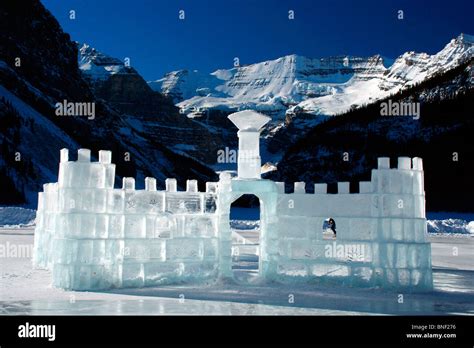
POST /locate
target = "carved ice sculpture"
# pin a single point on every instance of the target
(249, 124)
(94, 236)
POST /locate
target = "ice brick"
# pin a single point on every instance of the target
(184, 249)
(134, 226)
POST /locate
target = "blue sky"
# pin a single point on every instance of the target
(213, 32)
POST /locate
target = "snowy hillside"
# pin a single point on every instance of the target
(16, 217)
(185, 84)
(28, 123)
(451, 226)
(296, 84)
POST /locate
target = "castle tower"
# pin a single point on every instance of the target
(249, 124)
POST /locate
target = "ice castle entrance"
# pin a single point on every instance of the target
(244, 218)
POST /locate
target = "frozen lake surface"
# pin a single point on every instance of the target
(27, 291)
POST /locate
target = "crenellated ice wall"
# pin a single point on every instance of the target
(381, 231)
(93, 236)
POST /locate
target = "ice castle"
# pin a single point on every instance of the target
(94, 236)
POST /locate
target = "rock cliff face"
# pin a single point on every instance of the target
(39, 68)
(151, 113)
(412, 68)
(271, 86)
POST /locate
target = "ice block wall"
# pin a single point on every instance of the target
(93, 236)
(381, 231)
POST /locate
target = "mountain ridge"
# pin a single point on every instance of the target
(319, 86)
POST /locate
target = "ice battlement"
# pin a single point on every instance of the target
(84, 173)
(93, 235)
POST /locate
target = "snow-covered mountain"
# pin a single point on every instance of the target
(292, 84)
(409, 69)
(295, 84)
(412, 68)
(271, 86)
(185, 84)
(31, 133)
(98, 65)
(148, 112)
(446, 102)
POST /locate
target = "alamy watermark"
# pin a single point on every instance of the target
(85, 109)
(409, 109)
(28, 330)
(354, 252)
(228, 155)
(8, 250)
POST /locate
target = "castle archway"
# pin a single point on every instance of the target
(245, 225)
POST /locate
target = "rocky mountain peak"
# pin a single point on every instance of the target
(464, 40)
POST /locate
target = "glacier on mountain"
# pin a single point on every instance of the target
(321, 86)
(272, 86)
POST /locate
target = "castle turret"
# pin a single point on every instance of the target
(86, 174)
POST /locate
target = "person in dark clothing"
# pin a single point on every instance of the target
(332, 225)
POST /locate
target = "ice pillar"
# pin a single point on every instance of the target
(250, 124)
(249, 162)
